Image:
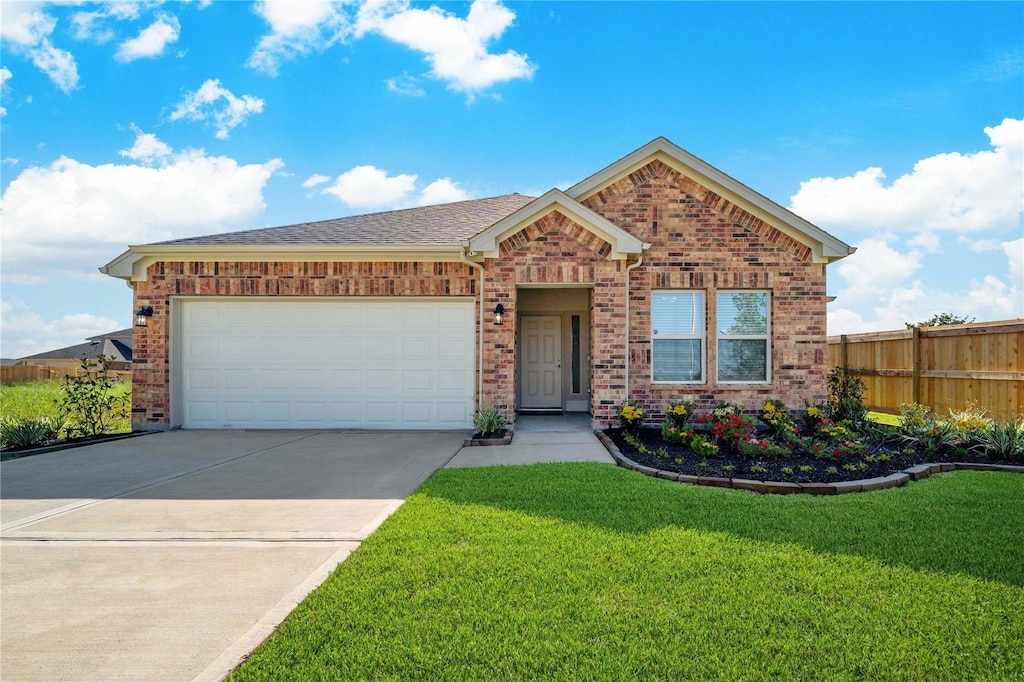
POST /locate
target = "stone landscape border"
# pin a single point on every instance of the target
(915, 473)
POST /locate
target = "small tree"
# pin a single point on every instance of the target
(940, 320)
(89, 403)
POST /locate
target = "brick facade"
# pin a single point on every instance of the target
(699, 241)
(150, 363)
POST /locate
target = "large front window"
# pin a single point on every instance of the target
(677, 336)
(743, 329)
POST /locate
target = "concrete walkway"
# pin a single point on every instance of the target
(172, 556)
(540, 438)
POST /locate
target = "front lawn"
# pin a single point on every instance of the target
(587, 571)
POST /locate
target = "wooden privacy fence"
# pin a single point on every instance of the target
(14, 374)
(946, 368)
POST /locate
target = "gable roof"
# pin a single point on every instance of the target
(441, 224)
(825, 247)
(485, 244)
(444, 232)
(116, 345)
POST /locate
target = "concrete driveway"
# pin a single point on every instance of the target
(171, 556)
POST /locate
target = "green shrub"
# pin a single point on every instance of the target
(90, 403)
(24, 433)
(845, 397)
(968, 425)
(1003, 439)
(489, 420)
(915, 418)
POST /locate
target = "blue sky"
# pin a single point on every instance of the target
(897, 127)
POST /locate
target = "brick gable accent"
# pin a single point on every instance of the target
(701, 241)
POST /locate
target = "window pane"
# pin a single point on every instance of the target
(742, 360)
(677, 360)
(675, 313)
(575, 358)
(742, 313)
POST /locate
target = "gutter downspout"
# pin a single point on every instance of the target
(480, 348)
(629, 268)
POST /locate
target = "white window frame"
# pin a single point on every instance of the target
(702, 337)
(766, 337)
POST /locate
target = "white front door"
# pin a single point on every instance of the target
(541, 361)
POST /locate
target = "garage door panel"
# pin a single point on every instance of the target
(381, 349)
(340, 363)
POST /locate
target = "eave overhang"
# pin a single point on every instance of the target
(624, 245)
(131, 265)
(824, 246)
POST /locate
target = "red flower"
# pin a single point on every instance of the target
(836, 453)
(816, 447)
(764, 446)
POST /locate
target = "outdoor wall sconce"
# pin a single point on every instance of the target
(143, 315)
(499, 313)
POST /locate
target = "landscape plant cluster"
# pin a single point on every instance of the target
(834, 440)
(91, 401)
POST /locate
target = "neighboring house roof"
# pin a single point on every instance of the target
(451, 232)
(441, 224)
(116, 345)
(5, 362)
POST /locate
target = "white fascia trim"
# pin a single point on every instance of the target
(132, 264)
(624, 245)
(825, 247)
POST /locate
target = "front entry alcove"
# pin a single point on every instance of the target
(553, 349)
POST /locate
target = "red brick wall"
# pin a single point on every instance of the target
(150, 377)
(554, 250)
(701, 241)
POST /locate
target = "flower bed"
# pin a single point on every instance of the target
(812, 447)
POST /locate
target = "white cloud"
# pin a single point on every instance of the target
(147, 148)
(26, 29)
(151, 41)
(1015, 254)
(89, 26)
(369, 187)
(297, 28)
(980, 245)
(26, 332)
(876, 268)
(315, 179)
(926, 241)
(441, 191)
(205, 104)
(113, 205)
(5, 75)
(11, 161)
(963, 192)
(405, 85)
(455, 48)
(882, 292)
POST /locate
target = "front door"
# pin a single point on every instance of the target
(541, 362)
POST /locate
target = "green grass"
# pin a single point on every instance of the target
(587, 571)
(37, 399)
(884, 418)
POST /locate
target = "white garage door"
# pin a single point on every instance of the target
(342, 363)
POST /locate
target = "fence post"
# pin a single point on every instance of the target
(915, 340)
(842, 350)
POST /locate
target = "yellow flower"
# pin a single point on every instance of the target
(813, 411)
(769, 407)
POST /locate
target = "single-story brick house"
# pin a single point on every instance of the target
(656, 278)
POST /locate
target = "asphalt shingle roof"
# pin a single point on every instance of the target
(428, 225)
(113, 345)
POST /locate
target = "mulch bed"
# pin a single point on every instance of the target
(681, 459)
